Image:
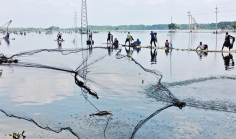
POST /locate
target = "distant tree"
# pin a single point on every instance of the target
(233, 25)
(222, 26)
(173, 26)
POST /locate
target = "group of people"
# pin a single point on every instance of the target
(227, 43)
(129, 39)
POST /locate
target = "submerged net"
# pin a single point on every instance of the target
(60, 90)
(213, 92)
(66, 90)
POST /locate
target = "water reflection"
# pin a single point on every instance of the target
(138, 49)
(110, 50)
(201, 54)
(129, 51)
(59, 45)
(228, 65)
(7, 41)
(90, 49)
(167, 51)
(153, 56)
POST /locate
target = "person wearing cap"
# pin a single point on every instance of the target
(227, 41)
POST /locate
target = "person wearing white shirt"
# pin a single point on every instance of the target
(202, 47)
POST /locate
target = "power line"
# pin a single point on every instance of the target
(204, 13)
(228, 11)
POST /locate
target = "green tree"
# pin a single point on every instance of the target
(233, 25)
(172, 26)
(222, 26)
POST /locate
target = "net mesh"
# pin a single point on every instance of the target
(65, 89)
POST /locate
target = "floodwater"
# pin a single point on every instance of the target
(39, 94)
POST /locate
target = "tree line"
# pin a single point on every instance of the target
(210, 26)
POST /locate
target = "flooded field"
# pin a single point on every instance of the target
(55, 89)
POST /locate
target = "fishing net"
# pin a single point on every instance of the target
(68, 90)
(213, 93)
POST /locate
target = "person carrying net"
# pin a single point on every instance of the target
(129, 38)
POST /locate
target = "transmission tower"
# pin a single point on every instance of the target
(216, 17)
(195, 24)
(189, 15)
(84, 19)
(75, 21)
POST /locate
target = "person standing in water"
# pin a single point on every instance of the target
(109, 37)
(153, 38)
(227, 41)
(59, 35)
(167, 44)
(128, 38)
(7, 35)
(90, 35)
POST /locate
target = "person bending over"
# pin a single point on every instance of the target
(202, 47)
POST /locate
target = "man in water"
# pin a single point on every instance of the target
(227, 41)
(7, 35)
(116, 43)
(138, 42)
(202, 47)
(128, 38)
(167, 44)
(153, 38)
(90, 35)
(109, 37)
(59, 35)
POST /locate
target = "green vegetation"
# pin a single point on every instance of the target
(210, 26)
(18, 135)
(233, 25)
(173, 26)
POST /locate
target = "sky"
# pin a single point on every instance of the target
(61, 13)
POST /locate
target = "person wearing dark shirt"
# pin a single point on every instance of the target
(153, 38)
(227, 41)
(116, 43)
(109, 37)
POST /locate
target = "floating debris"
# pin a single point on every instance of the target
(101, 113)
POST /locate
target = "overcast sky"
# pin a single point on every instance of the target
(45, 13)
